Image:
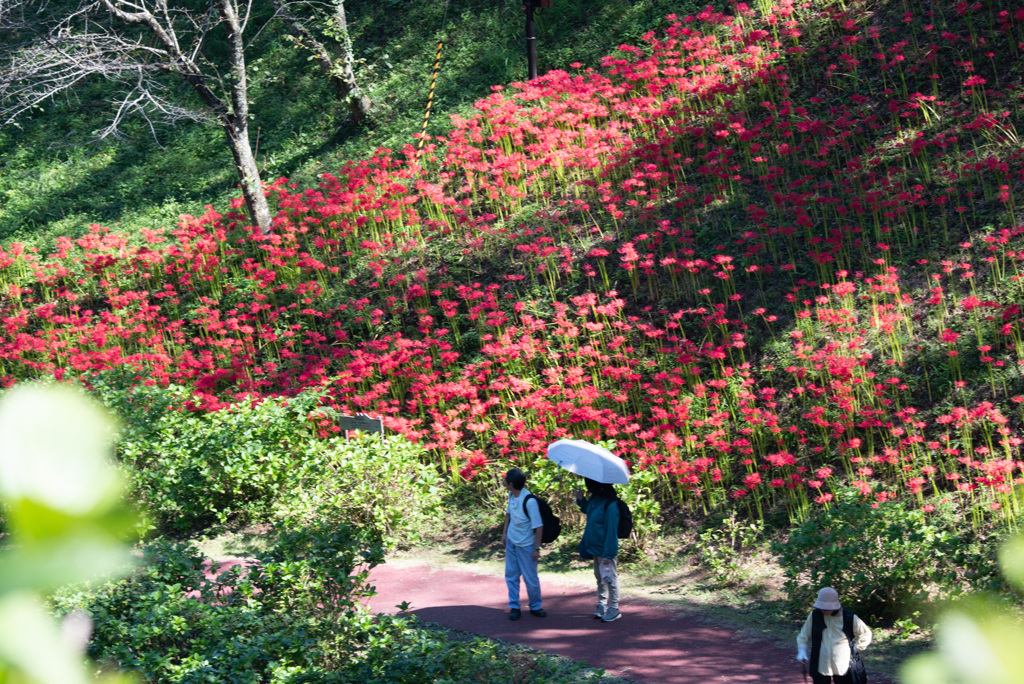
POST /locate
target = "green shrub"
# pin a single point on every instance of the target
(721, 546)
(640, 495)
(383, 484)
(881, 557)
(190, 469)
(294, 617)
(407, 651)
(296, 610)
(251, 462)
(318, 568)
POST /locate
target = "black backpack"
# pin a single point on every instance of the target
(625, 518)
(552, 523)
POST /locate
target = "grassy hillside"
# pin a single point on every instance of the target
(55, 179)
(773, 254)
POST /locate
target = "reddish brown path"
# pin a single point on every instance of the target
(649, 644)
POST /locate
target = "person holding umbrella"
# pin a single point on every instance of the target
(600, 542)
(600, 469)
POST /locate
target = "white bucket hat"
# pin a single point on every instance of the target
(828, 599)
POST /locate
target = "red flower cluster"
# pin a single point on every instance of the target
(686, 171)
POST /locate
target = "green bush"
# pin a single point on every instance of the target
(640, 495)
(318, 568)
(254, 461)
(721, 546)
(292, 618)
(296, 610)
(407, 651)
(190, 469)
(383, 484)
(881, 557)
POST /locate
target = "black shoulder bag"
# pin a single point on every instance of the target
(858, 674)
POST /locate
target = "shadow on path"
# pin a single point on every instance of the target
(649, 644)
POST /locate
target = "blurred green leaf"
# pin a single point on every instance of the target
(979, 641)
(1011, 560)
(31, 642)
(56, 442)
(66, 561)
(33, 522)
(66, 521)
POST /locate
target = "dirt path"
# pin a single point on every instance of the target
(650, 643)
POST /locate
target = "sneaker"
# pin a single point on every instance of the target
(611, 616)
(540, 612)
(514, 614)
(599, 613)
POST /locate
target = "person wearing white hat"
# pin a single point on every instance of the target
(827, 637)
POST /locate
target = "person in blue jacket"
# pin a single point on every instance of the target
(601, 543)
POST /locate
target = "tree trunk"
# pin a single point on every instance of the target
(341, 69)
(358, 103)
(234, 122)
(236, 125)
(249, 175)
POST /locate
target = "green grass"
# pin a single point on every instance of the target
(56, 179)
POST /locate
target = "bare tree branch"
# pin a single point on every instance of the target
(131, 44)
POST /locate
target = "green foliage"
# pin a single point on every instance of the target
(881, 557)
(907, 626)
(978, 640)
(721, 548)
(404, 650)
(254, 460)
(971, 562)
(195, 468)
(319, 567)
(639, 494)
(384, 484)
(293, 616)
(65, 523)
(294, 608)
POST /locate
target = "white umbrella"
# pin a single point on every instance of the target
(589, 460)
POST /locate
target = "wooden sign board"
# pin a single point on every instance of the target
(362, 422)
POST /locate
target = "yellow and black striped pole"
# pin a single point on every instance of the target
(430, 98)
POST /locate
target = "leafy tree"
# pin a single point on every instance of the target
(324, 33)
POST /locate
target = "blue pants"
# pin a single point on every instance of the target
(519, 563)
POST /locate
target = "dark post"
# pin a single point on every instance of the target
(531, 40)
